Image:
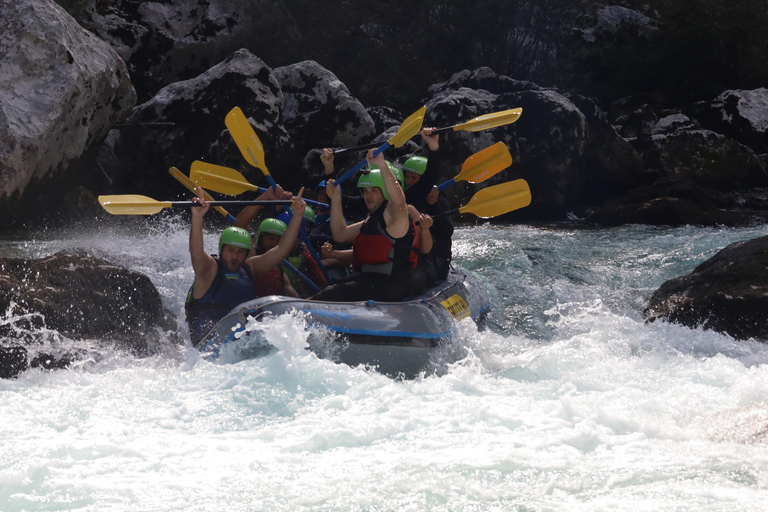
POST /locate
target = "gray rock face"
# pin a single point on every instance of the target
(165, 42)
(727, 293)
(61, 90)
(319, 111)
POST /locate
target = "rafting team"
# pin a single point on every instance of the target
(394, 251)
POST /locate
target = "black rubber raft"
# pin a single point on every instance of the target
(396, 338)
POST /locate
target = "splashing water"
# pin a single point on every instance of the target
(569, 401)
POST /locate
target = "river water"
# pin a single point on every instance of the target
(569, 401)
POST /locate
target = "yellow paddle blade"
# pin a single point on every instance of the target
(246, 139)
(192, 187)
(132, 204)
(488, 121)
(484, 164)
(410, 127)
(219, 179)
(499, 199)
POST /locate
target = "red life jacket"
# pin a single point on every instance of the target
(374, 250)
(270, 283)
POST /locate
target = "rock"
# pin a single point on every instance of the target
(680, 202)
(727, 293)
(739, 114)
(671, 123)
(166, 42)
(384, 118)
(612, 20)
(61, 90)
(548, 142)
(185, 122)
(82, 297)
(707, 158)
(612, 166)
(319, 111)
(13, 361)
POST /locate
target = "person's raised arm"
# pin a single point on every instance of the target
(326, 157)
(265, 262)
(202, 263)
(339, 229)
(249, 213)
(396, 212)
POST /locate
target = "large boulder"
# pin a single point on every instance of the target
(83, 297)
(61, 90)
(164, 42)
(548, 142)
(705, 157)
(185, 121)
(612, 166)
(727, 293)
(740, 114)
(318, 109)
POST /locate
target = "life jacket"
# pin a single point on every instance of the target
(227, 290)
(375, 251)
(270, 283)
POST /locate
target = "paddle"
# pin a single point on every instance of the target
(482, 165)
(410, 127)
(253, 151)
(184, 180)
(133, 204)
(247, 141)
(496, 200)
(192, 187)
(484, 122)
(226, 180)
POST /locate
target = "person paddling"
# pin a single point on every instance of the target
(224, 281)
(385, 246)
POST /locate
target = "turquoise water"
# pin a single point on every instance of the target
(569, 401)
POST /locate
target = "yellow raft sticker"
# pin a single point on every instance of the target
(456, 306)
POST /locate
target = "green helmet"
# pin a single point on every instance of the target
(236, 237)
(416, 165)
(273, 226)
(373, 179)
(396, 171)
(309, 214)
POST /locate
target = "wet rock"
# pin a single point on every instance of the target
(185, 122)
(82, 297)
(727, 293)
(61, 90)
(13, 361)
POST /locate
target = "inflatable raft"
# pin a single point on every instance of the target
(396, 338)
